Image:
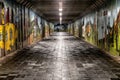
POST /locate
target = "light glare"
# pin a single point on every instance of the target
(60, 9)
(60, 14)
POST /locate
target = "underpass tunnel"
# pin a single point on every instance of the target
(59, 39)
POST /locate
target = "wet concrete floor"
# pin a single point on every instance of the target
(60, 57)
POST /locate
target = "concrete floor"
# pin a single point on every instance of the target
(60, 57)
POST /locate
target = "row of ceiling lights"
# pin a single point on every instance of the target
(60, 11)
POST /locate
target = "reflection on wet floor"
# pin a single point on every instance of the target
(60, 57)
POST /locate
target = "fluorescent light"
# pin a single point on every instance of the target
(60, 4)
(60, 18)
(60, 14)
(60, 22)
(60, 9)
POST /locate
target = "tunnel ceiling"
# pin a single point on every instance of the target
(72, 9)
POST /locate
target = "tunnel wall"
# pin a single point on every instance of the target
(100, 28)
(20, 27)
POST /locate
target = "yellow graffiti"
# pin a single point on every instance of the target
(10, 35)
(2, 12)
(1, 37)
(2, 29)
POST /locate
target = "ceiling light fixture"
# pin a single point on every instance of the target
(60, 20)
(60, 14)
(60, 9)
(60, 4)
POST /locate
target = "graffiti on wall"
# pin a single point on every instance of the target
(19, 27)
(102, 28)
